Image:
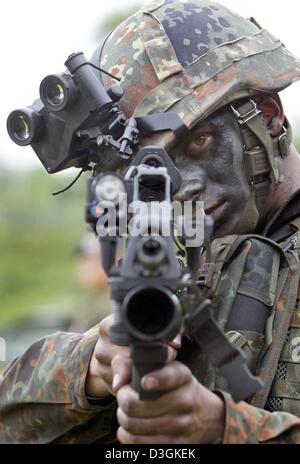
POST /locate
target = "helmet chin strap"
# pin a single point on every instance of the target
(261, 151)
(249, 220)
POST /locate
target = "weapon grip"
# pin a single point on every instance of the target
(147, 358)
(241, 382)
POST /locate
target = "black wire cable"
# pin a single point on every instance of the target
(73, 182)
(105, 72)
(99, 69)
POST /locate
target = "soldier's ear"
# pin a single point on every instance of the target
(273, 113)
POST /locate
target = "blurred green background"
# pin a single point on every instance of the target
(38, 237)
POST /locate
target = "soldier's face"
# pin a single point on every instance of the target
(211, 164)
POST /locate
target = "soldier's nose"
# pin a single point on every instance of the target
(189, 190)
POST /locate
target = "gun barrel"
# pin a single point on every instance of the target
(152, 314)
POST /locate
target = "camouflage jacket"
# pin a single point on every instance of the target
(42, 392)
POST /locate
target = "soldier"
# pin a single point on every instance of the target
(222, 74)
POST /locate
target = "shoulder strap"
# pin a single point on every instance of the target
(222, 251)
(285, 300)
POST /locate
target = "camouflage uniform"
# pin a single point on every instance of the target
(43, 394)
(192, 57)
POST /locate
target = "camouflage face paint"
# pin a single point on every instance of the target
(211, 163)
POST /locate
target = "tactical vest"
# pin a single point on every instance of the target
(254, 286)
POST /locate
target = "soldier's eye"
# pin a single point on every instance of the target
(199, 144)
(200, 140)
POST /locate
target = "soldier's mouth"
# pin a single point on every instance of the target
(217, 210)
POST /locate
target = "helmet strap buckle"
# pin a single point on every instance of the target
(283, 144)
(249, 114)
(257, 168)
(255, 133)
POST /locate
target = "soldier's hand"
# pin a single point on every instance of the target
(186, 412)
(110, 367)
(100, 375)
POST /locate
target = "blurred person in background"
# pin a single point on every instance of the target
(94, 304)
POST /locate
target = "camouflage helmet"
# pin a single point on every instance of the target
(193, 57)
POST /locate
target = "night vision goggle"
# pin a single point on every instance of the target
(76, 121)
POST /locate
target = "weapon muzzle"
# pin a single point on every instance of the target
(152, 314)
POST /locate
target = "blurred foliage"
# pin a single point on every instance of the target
(38, 236)
(112, 21)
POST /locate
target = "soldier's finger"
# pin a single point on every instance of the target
(102, 355)
(104, 326)
(172, 354)
(176, 343)
(175, 402)
(122, 371)
(105, 351)
(106, 374)
(128, 438)
(168, 424)
(169, 377)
